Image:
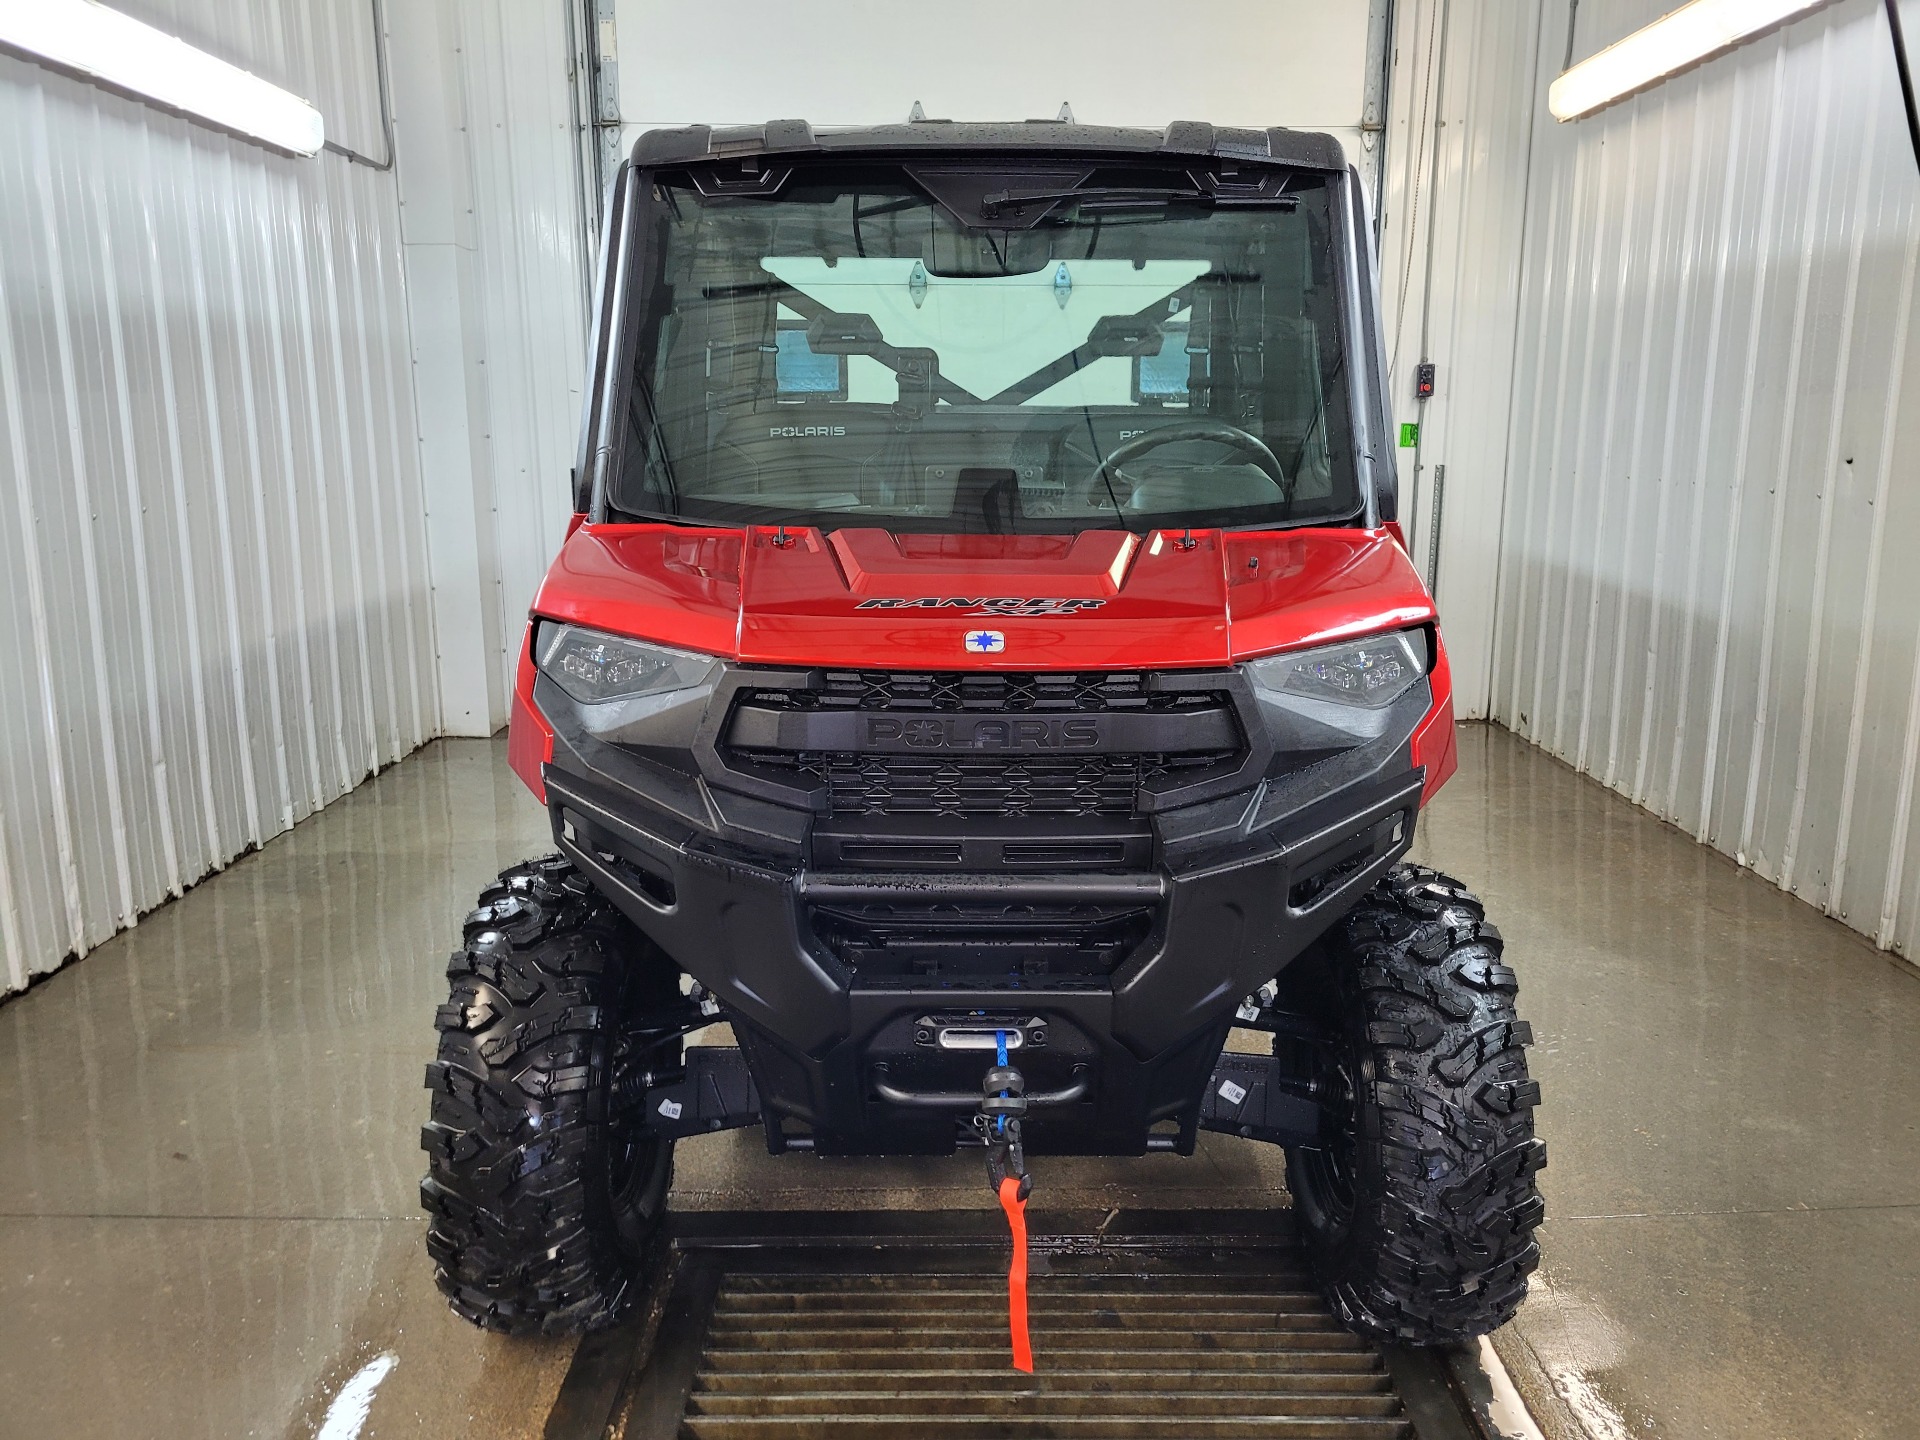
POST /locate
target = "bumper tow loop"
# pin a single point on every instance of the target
(1003, 1105)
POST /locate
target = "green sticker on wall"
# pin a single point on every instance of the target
(1409, 435)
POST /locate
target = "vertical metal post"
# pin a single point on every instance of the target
(606, 88)
(1373, 105)
(586, 165)
(1439, 62)
(1433, 541)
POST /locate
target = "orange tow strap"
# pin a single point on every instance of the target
(1016, 1209)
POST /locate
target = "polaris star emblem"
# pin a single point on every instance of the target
(985, 642)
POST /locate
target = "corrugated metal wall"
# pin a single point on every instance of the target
(530, 289)
(214, 535)
(1707, 593)
(211, 555)
(1452, 216)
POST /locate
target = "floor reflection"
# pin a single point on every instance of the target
(1731, 1087)
(208, 1211)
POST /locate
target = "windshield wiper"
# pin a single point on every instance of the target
(1110, 195)
(625, 515)
(655, 456)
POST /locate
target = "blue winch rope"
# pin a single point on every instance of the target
(1000, 1050)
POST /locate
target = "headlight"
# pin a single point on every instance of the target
(591, 666)
(1373, 672)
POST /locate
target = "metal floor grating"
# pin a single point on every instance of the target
(1145, 1326)
(898, 1355)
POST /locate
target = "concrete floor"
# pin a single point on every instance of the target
(1732, 1117)
(208, 1222)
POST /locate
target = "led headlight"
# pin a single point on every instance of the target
(592, 666)
(1372, 672)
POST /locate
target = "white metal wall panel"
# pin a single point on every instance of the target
(1452, 222)
(211, 530)
(531, 288)
(1119, 62)
(1711, 477)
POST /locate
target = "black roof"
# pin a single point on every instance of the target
(1295, 148)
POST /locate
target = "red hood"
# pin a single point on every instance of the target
(1102, 599)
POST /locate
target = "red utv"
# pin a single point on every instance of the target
(984, 669)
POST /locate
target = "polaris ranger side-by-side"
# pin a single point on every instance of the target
(984, 669)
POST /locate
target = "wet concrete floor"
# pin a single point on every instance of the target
(1732, 1117)
(209, 1227)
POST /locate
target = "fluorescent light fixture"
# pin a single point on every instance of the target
(118, 51)
(1678, 39)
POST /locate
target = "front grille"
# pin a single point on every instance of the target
(982, 786)
(992, 784)
(970, 691)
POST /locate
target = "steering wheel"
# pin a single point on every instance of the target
(1244, 441)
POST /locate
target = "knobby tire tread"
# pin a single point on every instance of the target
(1445, 1200)
(520, 1232)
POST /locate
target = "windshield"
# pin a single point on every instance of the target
(1103, 349)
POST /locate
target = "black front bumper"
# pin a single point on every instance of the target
(728, 885)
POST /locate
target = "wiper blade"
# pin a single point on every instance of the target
(628, 516)
(1108, 195)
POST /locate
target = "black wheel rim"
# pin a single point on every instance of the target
(638, 1166)
(635, 1173)
(631, 1161)
(1328, 1170)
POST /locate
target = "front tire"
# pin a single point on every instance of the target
(545, 1195)
(1418, 1213)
